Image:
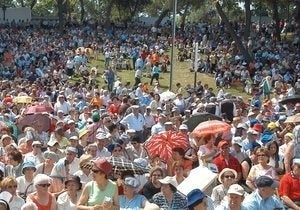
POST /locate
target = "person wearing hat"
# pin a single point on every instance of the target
(74, 142)
(36, 155)
(197, 200)
(135, 121)
(289, 190)
(66, 166)
(42, 196)
(68, 199)
(160, 125)
(288, 137)
(226, 160)
(84, 173)
(226, 178)
(101, 193)
(62, 105)
(131, 199)
(46, 167)
(72, 130)
(136, 149)
(236, 149)
(58, 135)
(149, 121)
(102, 142)
(264, 196)
(251, 140)
(25, 182)
(235, 197)
(169, 198)
(53, 146)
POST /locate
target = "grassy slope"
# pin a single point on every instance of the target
(181, 73)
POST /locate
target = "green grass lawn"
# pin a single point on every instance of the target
(181, 73)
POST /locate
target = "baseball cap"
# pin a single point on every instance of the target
(183, 127)
(132, 182)
(237, 140)
(236, 189)
(169, 180)
(265, 181)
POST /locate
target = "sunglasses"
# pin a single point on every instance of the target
(96, 171)
(44, 185)
(13, 186)
(229, 176)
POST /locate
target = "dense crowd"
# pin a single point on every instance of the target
(61, 141)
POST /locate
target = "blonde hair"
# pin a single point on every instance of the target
(8, 181)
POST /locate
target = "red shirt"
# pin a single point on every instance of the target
(233, 163)
(289, 186)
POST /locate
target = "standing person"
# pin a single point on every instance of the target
(101, 193)
(155, 73)
(137, 76)
(110, 79)
(264, 196)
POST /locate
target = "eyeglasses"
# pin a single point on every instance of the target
(96, 171)
(229, 176)
(44, 185)
(13, 186)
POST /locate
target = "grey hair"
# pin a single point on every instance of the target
(29, 206)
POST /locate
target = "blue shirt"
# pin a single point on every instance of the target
(134, 204)
(255, 202)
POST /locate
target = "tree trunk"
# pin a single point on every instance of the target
(60, 9)
(276, 20)
(161, 17)
(297, 11)
(82, 11)
(247, 19)
(183, 17)
(33, 3)
(233, 33)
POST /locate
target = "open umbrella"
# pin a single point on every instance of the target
(33, 120)
(194, 120)
(293, 99)
(293, 119)
(22, 100)
(167, 95)
(211, 127)
(162, 144)
(121, 164)
(38, 109)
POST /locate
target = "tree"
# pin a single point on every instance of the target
(232, 32)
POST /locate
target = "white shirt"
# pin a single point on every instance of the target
(149, 121)
(103, 153)
(157, 128)
(64, 202)
(23, 185)
(83, 177)
(16, 203)
(133, 122)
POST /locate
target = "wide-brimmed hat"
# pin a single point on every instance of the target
(75, 179)
(28, 164)
(103, 165)
(224, 171)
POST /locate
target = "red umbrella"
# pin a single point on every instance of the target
(38, 109)
(211, 127)
(162, 144)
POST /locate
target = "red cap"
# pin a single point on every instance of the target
(222, 143)
(103, 165)
(257, 127)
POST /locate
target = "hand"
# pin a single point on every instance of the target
(97, 207)
(107, 204)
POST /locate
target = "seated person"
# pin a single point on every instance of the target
(289, 190)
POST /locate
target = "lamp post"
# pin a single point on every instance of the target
(173, 41)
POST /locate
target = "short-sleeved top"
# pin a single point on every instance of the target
(178, 203)
(96, 196)
(40, 206)
(289, 186)
(232, 163)
(256, 172)
(133, 204)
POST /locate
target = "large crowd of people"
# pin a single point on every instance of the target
(60, 135)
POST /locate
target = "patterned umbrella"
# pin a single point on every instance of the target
(121, 164)
(211, 127)
(162, 144)
(194, 120)
(37, 109)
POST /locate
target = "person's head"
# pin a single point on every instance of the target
(28, 168)
(101, 140)
(262, 155)
(178, 168)
(197, 200)
(115, 150)
(15, 158)
(288, 137)
(227, 177)
(273, 148)
(92, 149)
(235, 196)
(266, 186)
(73, 141)
(178, 153)
(9, 184)
(5, 140)
(224, 148)
(50, 157)
(156, 173)
(71, 153)
(29, 206)
(168, 185)
(37, 147)
(131, 185)
(4, 205)
(42, 183)
(73, 184)
(101, 169)
(296, 167)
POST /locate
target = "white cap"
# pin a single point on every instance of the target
(169, 180)
(183, 127)
(236, 189)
